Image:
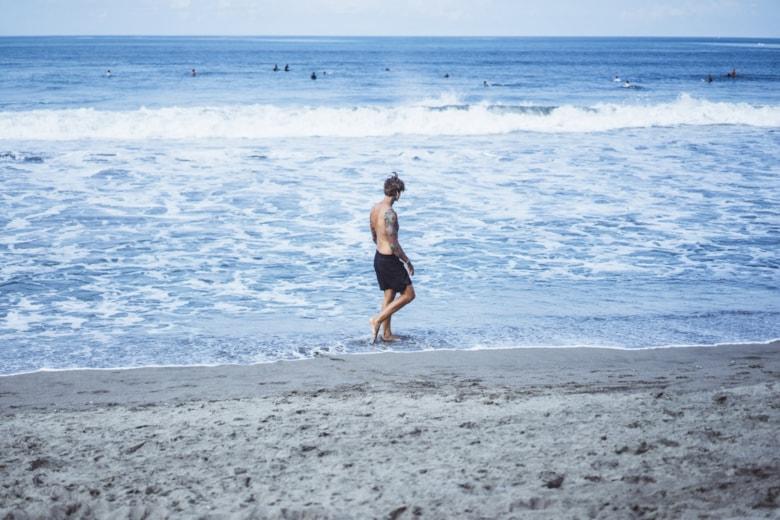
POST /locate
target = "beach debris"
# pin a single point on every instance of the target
(39, 463)
(552, 479)
(761, 472)
(135, 448)
(642, 511)
(770, 499)
(637, 479)
(642, 448)
(531, 503)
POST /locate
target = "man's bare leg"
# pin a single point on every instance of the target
(387, 300)
(396, 305)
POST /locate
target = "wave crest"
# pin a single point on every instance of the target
(266, 121)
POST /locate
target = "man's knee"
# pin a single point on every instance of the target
(409, 293)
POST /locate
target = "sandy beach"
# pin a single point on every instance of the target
(550, 433)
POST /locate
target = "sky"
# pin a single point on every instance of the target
(743, 18)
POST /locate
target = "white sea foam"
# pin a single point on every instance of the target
(266, 121)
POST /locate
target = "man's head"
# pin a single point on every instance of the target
(394, 186)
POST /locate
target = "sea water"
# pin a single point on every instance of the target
(153, 217)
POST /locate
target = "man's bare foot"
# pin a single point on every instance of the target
(390, 337)
(374, 329)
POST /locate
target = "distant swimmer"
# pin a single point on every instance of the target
(276, 67)
(313, 75)
(447, 75)
(485, 84)
(387, 69)
(616, 78)
(287, 68)
(627, 84)
(108, 73)
(194, 73)
(709, 78)
(732, 74)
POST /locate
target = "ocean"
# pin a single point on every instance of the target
(152, 217)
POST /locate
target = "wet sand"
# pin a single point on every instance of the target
(549, 433)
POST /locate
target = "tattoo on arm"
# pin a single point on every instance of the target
(391, 230)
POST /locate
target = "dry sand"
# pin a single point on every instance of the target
(548, 433)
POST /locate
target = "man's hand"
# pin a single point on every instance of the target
(410, 267)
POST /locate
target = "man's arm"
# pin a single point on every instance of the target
(391, 231)
(373, 231)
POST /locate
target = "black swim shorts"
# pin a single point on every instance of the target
(391, 272)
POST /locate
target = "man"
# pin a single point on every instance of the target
(392, 266)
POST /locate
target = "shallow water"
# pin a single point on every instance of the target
(217, 225)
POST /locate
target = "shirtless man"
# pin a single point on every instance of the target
(392, 266)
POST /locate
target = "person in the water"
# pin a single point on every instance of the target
(313, 75)
(393, 268)
(108, 73)
(194, 73)
(287, 68)
(276, 67)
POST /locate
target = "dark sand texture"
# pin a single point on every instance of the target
(547, 433)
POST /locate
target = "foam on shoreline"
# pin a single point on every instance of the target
(389, 351)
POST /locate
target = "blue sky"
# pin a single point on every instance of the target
(757, 18)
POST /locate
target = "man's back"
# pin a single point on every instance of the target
(383, 218)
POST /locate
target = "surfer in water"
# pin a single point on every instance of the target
(392, 266)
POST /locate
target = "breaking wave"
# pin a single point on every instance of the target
(266, 121)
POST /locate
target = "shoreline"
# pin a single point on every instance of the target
(326, 354)
(557, 432)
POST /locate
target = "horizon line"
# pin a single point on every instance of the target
(506, 36)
